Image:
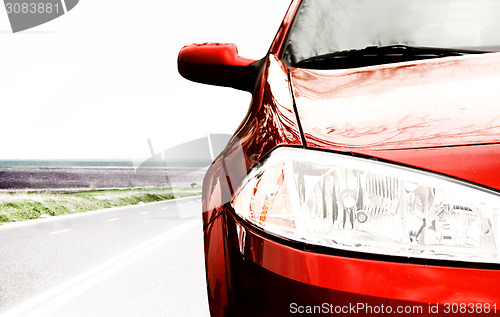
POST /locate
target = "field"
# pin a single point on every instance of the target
(97, 177)
(41, 192)
(24, 205)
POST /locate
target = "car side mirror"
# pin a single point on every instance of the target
(218, 64)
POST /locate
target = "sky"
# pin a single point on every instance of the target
(101, 80)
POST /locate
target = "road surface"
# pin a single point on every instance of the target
(143, 260)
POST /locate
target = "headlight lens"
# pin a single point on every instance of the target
(367, 206)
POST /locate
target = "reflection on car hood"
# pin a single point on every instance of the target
(436, 102)
(422, 113)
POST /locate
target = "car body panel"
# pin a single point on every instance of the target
(429, 103)
(271, 122)
(216, 267)
(404, 281)
(279, 40)
(440, 115)
(478, 164)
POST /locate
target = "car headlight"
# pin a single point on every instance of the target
(363, 205)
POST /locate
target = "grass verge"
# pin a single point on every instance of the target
(25, 205)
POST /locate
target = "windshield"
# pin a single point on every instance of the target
(327, 26)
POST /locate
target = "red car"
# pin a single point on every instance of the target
(364, 179)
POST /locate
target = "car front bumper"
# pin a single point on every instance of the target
(269, 276)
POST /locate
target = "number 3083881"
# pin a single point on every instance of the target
(32, 8)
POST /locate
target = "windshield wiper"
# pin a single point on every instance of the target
(374, 55)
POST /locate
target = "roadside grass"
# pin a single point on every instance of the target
(24, 205)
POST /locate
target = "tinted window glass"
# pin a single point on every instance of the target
(325, 26)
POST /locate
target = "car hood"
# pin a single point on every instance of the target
(421, 113)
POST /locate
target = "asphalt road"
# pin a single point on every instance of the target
(144, 260)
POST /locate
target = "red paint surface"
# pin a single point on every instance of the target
(398, 281)
(428, 103)
(433, 114)
(270, 122)
(479, 164)
(212, 53)
(441, 115)
(215, 263)
(280, 38)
